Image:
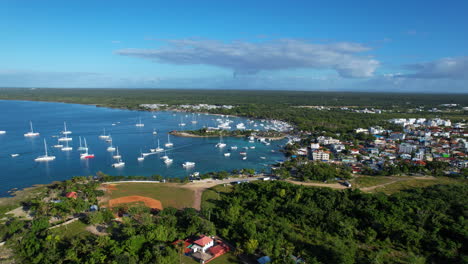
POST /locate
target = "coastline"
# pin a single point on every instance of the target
(16, 194)
(186, 134)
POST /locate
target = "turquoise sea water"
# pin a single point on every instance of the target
(89, 122)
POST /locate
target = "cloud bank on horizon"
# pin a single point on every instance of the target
(250, 58)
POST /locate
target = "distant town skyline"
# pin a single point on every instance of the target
(400, 46)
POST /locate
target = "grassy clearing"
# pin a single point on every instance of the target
(71, 230)
(416, 183)
(169, 195)
(212, 194)
(369, 181)
(9, 203)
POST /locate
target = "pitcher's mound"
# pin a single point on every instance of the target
(149, 202)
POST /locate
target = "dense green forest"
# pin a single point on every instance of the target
(325, 226)
(280, 105)
(145, 237)
(278, 219)
(131, 98)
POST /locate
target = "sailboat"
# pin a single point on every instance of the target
(165, 157)
(104, 136)
(119, 163)
(194, 121)
(31, 133)
(65, 138)
(188, 164)
(158, 149)
(117, 155)
(58, 145)
(81, 148)
(154, 132)
(168, 161)
(111, 148)
(181, 122)
(67, 148)
(65, 131)
(141, 158)
(221, 144)
(46, 157)
(86, 155)
(169, 144)
(139, 124)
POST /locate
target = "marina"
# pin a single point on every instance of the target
(108, 140)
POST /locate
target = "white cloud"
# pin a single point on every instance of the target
(446, 68)
(252, 57)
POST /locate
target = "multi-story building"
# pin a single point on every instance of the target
(321, 155)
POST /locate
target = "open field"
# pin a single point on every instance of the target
(9, 203)
(148, 202)
(170, 195)
(369, 181)
(71, 230)
(414, 182)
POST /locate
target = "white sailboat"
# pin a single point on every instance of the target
(2, 132)
(154, 132)
(58, 145)
(117, 155)
(158, 149)
(65, 138)
(81, 148)
(168, 161)
(227, 154)
(104, 136)
(169, 144)
(67, 148)
(31, 133)
(188, 164)
(86, 155)
(119, 163)
(181, 122)
(111, 148)
(65, 131)
(46, 157)
(141, 158)
(165, 157)
(139, 124)
(221, 144)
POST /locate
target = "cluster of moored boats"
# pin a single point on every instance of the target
(64, 138)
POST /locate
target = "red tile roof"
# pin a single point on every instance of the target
(71, 195)
(217, 250)
(203, 241)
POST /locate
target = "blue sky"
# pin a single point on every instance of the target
(407, 46)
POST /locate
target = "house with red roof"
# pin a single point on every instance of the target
(73, 195)
(202, 244)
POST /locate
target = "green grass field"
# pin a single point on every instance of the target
(369, 181)
(416, 183)
(71, 230)
(10, 203)
(170, 196)
(212, 194)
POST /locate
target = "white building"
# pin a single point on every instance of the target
(202, 244)
(407, 148)
(321, 155)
